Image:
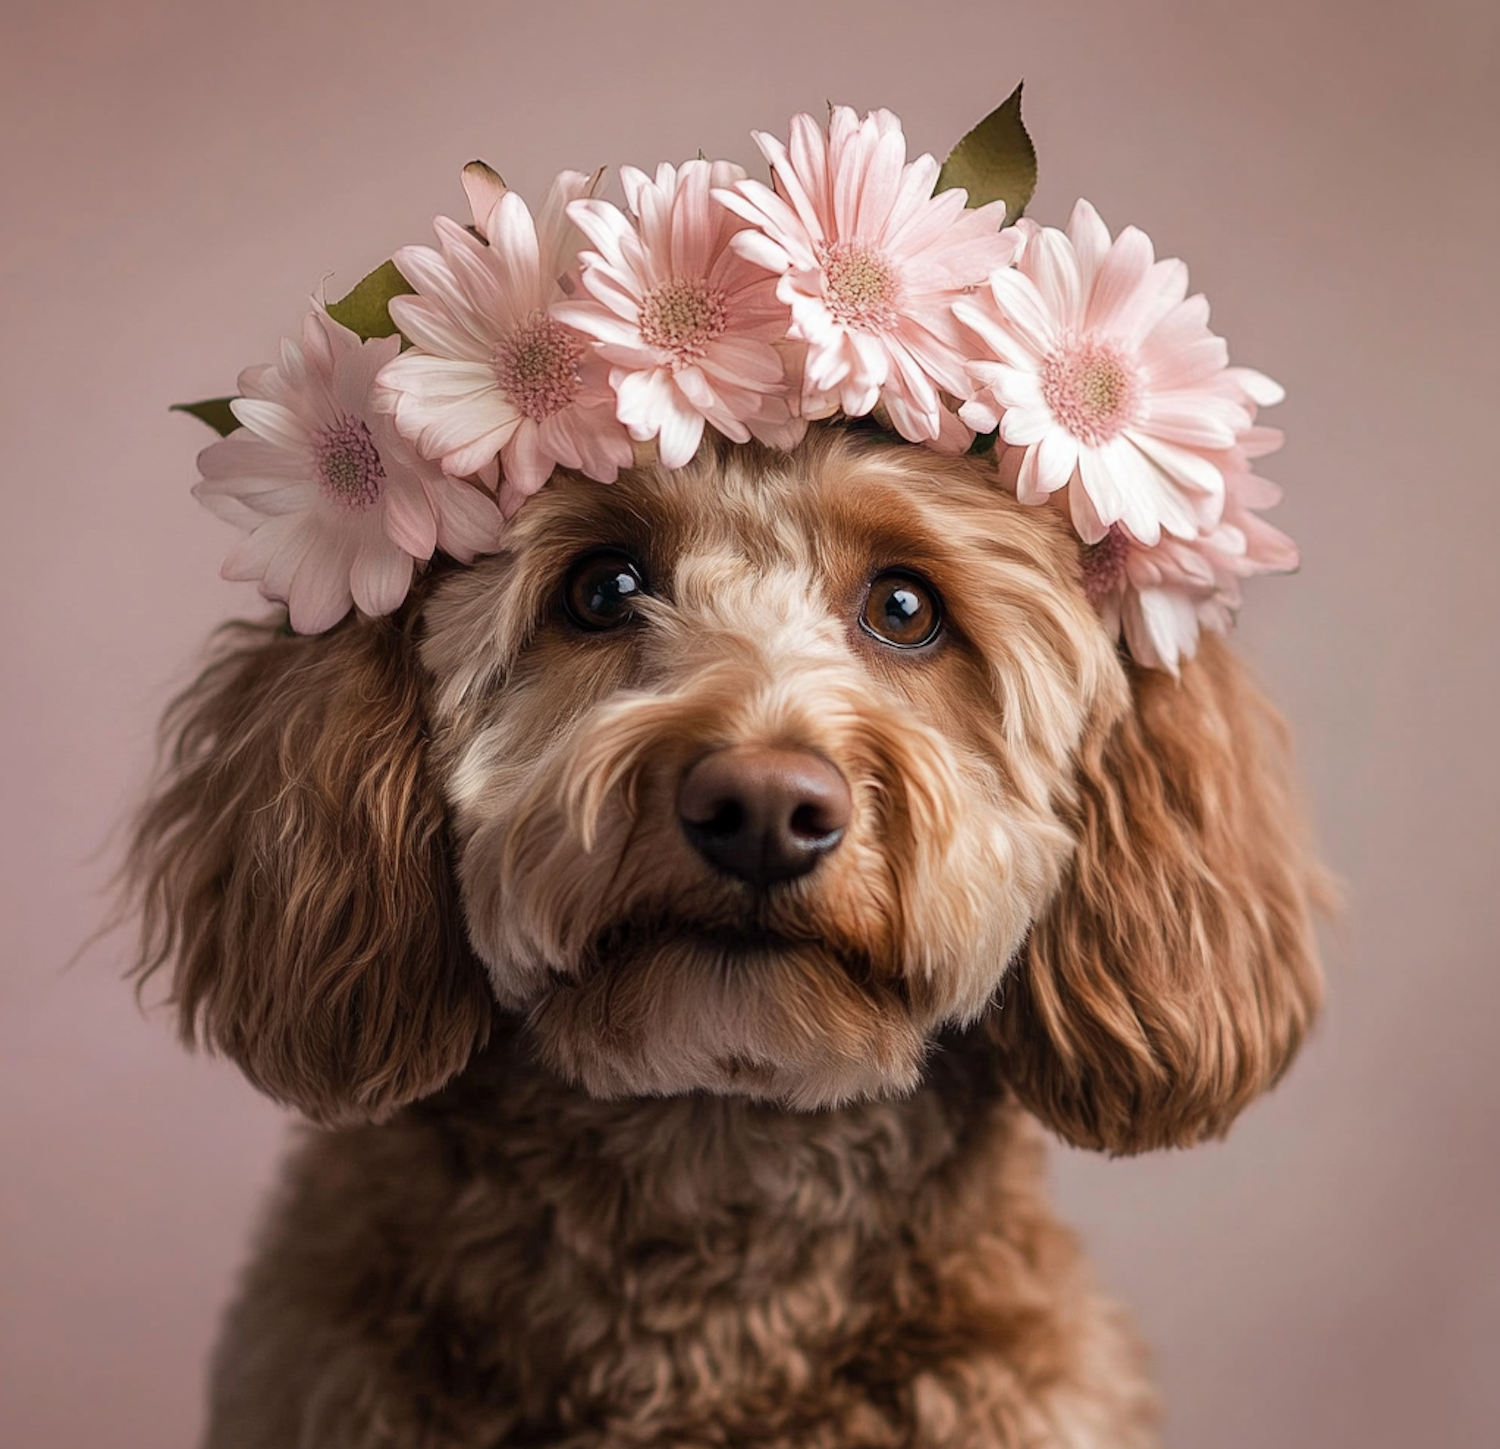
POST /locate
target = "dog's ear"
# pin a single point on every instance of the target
(1176, 972)
(293, 866)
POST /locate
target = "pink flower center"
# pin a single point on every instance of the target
(1092, 387)
(348, 464)
(1104, 565)
(860, 286)
(537, 366)
(682, 317)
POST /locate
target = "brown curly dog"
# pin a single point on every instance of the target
(677, 924)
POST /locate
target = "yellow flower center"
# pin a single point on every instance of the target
(1092, 387)
(537, 366)
(682, 317)
(860, 286)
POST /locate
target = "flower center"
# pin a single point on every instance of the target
(1092, 387)
(682, 317)
(860, 288)
(537, 366)
(348, 463)
(1104, 565)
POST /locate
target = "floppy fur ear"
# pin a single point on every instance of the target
(293, 866)
(1176, 972)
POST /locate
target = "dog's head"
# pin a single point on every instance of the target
(747, 778)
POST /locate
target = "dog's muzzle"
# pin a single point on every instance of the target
(761, 814)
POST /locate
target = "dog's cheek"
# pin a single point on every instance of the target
(526, 879)
(970, 859)
(542, 867)
(969, 914)
(484, 782)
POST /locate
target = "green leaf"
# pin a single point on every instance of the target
(215, 411)
(995, 161)
(364, 310)
(984, 443)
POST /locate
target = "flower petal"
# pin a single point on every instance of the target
(273, 422)
(380, 577)
(319, 595)
(468, 522)
(409, 522)
(1120, 275)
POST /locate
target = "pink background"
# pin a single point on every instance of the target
(177, 179)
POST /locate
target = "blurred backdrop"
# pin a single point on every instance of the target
(179, 175)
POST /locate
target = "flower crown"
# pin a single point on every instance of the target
(421, 411)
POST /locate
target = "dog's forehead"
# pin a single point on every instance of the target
(831, 498)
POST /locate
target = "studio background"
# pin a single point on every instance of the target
(179, 177)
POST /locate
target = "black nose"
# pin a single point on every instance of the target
(763, 814)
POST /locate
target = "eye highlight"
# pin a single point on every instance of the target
(601, 589)
(902, 609)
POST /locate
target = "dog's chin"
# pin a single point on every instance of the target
(664, 1013)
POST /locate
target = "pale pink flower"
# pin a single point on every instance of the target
(688, 325)
(1160, 596)
(870, 263)
(337, 507)
(493, 372)
(1104, 371)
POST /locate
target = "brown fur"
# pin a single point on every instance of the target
(735, 1167)
(294, 869)
(1176, 972)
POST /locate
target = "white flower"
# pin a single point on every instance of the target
(1160, 596)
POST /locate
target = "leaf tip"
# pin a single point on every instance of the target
(996, 160)
(215, 411)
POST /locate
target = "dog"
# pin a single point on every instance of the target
(682, 928)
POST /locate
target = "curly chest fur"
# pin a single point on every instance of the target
(512, 1264)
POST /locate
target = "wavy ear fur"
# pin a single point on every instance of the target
(1176, 973)
(293, 867)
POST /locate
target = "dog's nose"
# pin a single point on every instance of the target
(763, 814)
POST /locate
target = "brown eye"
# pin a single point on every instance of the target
(903, 610)
(601, 590)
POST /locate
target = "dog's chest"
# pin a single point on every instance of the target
(585, 1273)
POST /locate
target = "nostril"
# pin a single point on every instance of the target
(727, 819)
(815, 821)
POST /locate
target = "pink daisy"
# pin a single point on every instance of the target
(337, 507)
(870, 263)
(1104, 371)
(688, 325)
(1160, 596)
(493, 371)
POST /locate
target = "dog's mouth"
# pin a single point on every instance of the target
(664, 1005)
(727, 948)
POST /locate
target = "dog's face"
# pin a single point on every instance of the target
(755, 768)
(745, 778)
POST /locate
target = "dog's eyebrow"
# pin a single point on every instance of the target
(880, 526)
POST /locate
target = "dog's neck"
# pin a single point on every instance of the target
(655, 1167)
(548, 1257)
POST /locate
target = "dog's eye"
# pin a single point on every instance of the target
(601, 590)
(903, 610)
